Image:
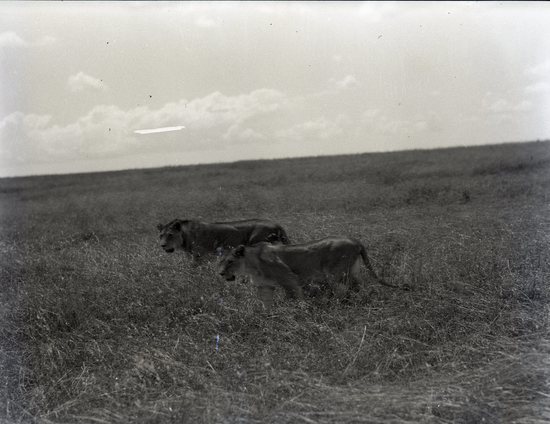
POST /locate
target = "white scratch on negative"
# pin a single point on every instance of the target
(158, 130)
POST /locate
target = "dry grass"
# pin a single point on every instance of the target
(98, 324)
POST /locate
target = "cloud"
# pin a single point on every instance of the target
(347, 82)
(370, 114)
(16, 127)
(375, 12)
(538, 87)
(319, 128)
(108, 131)
(237, 134)
(45, 41)
(420, 125)
(375, 121)
(540, 70)
(539, 74)
(217, 109)
(11, 39)
(204, 22)
(81, 81)
(504, 106)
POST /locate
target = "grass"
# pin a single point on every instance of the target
(98, 324)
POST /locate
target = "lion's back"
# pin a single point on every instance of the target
(325, 256)
(257, 230)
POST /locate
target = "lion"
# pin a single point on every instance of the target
(199, 239)
(293, 267)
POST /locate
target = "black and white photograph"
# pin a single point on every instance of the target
(274, 212)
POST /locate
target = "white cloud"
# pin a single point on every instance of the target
(17, 127)
(373, 120)
(523, 106)
(218, 109)
(500, 105)
(393, 126)
(347, 82)
(204, 22)
(316, 129)
(540, 70)
(375, 12)
(370, 114)
(11, 39)
(81, 81)
(538, 87)
(539, 74)
(237, 134)
(420, 125)
(504, 106)
(46, 40)
(107, 131)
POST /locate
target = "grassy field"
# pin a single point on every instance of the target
(98, 324)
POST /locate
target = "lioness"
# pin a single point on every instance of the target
(199, 238)
(294, 266)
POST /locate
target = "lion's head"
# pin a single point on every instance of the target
(231, 264)
(171, 236)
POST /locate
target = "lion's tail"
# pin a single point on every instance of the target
(370, 269)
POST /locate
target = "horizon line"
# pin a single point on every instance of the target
(462, 146)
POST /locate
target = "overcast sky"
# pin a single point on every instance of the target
(264, 80)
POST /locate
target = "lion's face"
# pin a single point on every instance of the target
(230, 264)
(171, 236)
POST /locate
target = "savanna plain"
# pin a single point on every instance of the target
(99, 325)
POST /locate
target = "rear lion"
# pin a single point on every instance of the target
(200, 239)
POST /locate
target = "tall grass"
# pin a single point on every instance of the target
(98, 324)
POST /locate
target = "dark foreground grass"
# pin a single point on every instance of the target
(98, 324)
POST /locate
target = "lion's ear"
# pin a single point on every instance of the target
(239, 251)
(160, 226)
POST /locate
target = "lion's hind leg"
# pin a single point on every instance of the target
(291, 286)
(354, 276)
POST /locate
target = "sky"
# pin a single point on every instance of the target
(251, 80)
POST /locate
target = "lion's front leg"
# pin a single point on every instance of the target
(288, 280)
(265, 293)
(291, 285)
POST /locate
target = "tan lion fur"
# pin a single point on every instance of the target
(199, 238)
(293, 266)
